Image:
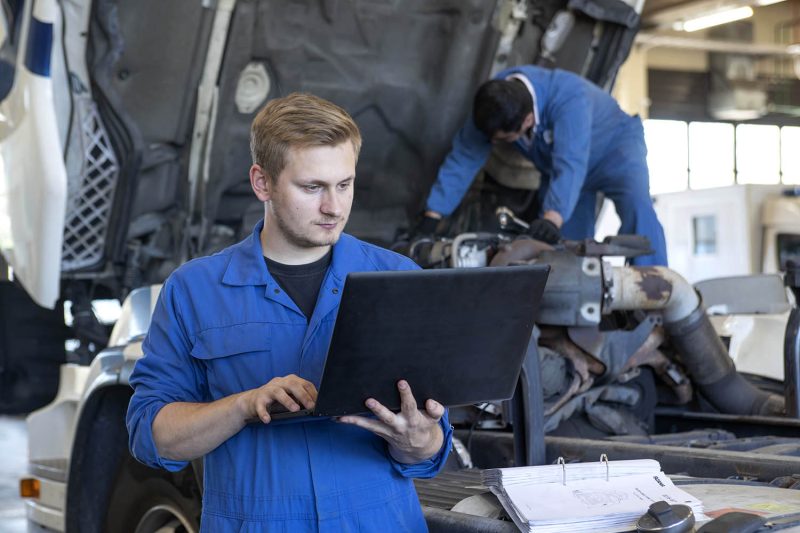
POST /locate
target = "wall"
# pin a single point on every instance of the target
(631, 88)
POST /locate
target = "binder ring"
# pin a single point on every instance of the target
(563, 471)
(604, 459)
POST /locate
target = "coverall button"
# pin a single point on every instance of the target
(335, 291)
(277, 291)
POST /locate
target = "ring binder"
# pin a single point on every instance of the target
(538, 499)
(563, 463)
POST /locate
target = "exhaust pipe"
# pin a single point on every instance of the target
(700, 349)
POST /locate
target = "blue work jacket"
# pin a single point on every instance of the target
(579, 127)
(222, 325)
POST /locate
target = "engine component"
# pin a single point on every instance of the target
(666, 518)
(511, 169)
(506, 218)
(574, 290)
(581, 288)
(691, 333)
(617, 245)
(471, 255)
(791, 346)
(650, 288)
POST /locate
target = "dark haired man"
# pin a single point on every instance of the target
(576, 135)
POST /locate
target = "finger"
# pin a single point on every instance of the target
(408, 405)
(282, 397)
(434, 409)
(301, 394)
(311, 389)
(383, 414)
(375, 426)
(306, 385)
(261, 410)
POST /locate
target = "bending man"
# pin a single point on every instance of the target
(579, 139)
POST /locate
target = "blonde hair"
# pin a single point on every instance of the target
(299, 120)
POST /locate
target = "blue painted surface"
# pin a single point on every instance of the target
(39, 47)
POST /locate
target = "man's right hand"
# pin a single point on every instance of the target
(183, 431)
(290, 391)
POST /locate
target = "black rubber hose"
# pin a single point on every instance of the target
(734, 394)
(702, 351)
(707, 361)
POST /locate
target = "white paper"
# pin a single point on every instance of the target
(585, 500)
(594, 498)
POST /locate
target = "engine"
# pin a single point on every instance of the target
(612, 342)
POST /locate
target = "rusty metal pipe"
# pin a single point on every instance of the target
(692, 335)
(652, 288)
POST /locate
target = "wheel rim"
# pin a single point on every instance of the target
(164, 519)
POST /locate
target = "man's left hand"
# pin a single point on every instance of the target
(413, 434)
(543, 229)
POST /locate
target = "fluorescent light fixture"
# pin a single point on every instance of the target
(767, 2)
(715, 19)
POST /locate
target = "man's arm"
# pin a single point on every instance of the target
(183, 431)
(572, 132)
(170, 419)
(554, 217)
(470, 151)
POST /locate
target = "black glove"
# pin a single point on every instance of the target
(543, 230)
(427, 226)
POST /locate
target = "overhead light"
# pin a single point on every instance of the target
(715, 19)
(761, 3)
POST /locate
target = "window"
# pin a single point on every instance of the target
(701, 155)
(704, 229)
(790, 155)
(758, 154)
(710, 154)
(667, 155)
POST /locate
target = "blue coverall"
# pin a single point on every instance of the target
(222, 325)
(583, 143)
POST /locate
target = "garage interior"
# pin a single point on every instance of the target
(152, 128)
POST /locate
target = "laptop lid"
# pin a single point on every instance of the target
(458, 336)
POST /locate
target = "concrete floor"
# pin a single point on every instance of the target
(13, 466)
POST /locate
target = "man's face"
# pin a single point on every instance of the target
(310, 201)
(513, 136)
(507, 136)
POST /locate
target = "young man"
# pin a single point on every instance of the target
(249, 327)
(579, 139)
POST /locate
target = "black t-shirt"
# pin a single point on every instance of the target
(301, 282)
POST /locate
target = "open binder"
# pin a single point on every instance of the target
(606, 496)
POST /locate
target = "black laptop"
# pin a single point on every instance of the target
(458, 336)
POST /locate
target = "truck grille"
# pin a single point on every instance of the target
(90, 192)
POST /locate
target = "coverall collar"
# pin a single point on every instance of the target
(525, 81)
(247, 266)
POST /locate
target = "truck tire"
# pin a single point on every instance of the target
(31, 350)
(145, 500)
